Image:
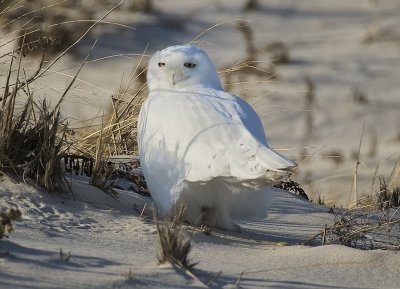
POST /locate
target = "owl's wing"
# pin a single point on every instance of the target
(233, 145)
(251, 120)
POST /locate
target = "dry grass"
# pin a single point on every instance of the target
(309, 122)
(279, 52)
(250, 67)
(119, 130)
(144, 6)
(388, 196)
(6, 219)
(65, 256)
(251, 5)
(118, 136)
(385, 191)
(34, 139)
(358, 228)
(174, 244)
(102, 170)
(57, 23)
(373, 224)
(31, 134)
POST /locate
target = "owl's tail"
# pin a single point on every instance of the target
(259, 164)
(275, 164)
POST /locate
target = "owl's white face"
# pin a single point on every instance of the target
(181, 67)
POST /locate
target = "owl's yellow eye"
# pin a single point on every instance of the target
(189, 65)
(161, 64)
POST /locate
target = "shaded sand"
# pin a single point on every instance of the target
(112, 247)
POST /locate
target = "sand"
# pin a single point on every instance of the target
(111, 246)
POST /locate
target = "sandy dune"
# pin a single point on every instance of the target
(112, 247)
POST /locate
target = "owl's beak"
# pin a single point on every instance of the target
(177, 76)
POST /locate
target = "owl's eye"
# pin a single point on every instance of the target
(161, 64)
(189, 65)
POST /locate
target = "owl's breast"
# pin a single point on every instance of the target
(172, 120)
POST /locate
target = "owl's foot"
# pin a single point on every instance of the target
(206, 229)
(220, 218)
(212, 218)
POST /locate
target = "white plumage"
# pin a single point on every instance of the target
(201, 146)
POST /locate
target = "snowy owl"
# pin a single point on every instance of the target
(201, 146)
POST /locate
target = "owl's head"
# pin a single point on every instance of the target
(180, 67)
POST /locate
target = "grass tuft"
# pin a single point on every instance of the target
(6, 218)
(31, 134)
(358, 228)
(175, 246)
(373, 224)
(387, 197)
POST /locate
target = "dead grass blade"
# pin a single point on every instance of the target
(78, 40)
(6, 218)
(355, 173)
(32, 137)
(358, 228)
(174, 245)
